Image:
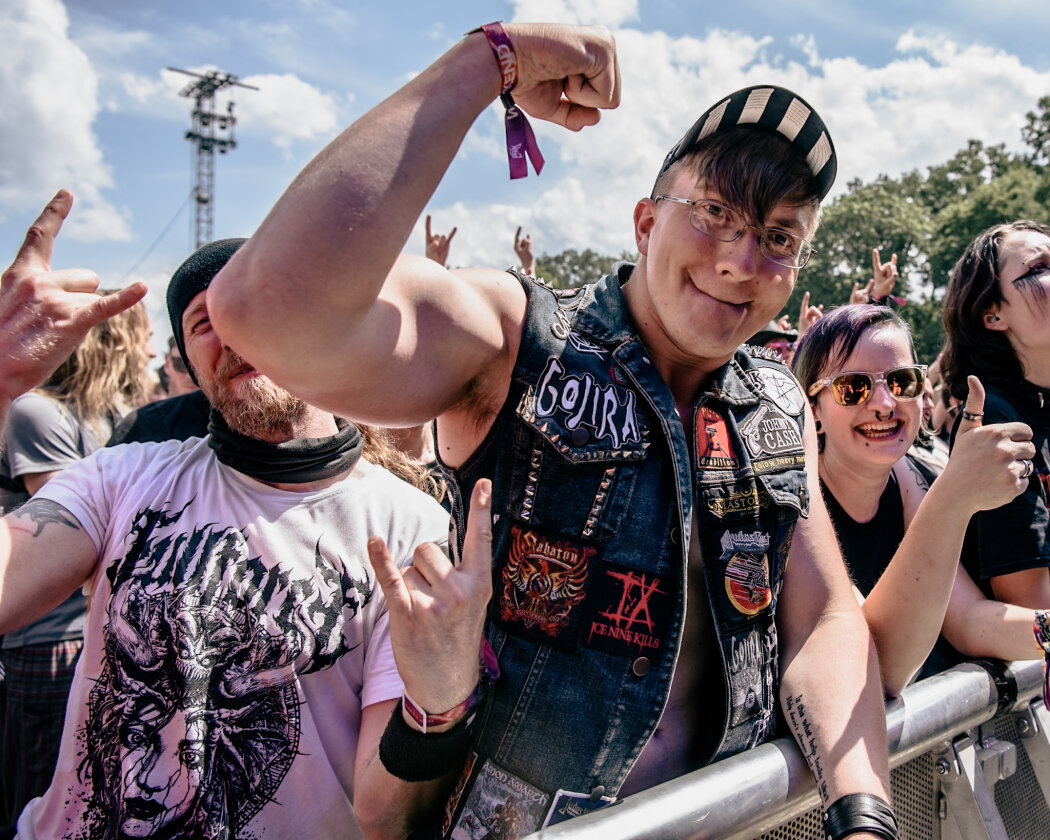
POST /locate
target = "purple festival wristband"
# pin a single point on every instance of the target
(520, 139)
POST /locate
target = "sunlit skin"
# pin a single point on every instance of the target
(234, 387)
(1024, 312)
(697, 299)
(869, 438)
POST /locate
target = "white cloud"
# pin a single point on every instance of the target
(611, 13)
(50, 95)
(915, 111)
(287, 109)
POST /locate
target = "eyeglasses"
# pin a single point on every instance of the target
(855, 387)
(720, 222)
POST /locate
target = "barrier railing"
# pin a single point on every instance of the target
(970, 760)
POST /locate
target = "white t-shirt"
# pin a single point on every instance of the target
(234, 633)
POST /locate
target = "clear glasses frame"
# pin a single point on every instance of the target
(713, 218)
(873, 380)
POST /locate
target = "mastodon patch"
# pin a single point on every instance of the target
(747, 571)
(714, 450)
(542, 582)
(628, 612)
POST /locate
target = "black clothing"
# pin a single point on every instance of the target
(1013, 538)
(176, 418)
(868, 547)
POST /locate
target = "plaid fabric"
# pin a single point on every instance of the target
(1042, 638)
(37, 679)
(40, 673)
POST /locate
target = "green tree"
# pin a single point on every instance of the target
(571, 268)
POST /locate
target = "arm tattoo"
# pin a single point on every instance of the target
(42, 512)
(795, 709)
(920, 476)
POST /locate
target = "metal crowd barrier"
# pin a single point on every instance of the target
(969, 759)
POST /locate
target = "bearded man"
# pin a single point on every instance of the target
(237, 670)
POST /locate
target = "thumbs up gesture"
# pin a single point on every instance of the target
(991, 464)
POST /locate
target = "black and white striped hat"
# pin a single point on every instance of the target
(774, 108)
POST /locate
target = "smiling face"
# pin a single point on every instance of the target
(250, 402)
(879, 431)
(702, 297)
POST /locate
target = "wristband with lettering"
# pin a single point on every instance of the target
(520, 139)
(427, 721)
(489, 672)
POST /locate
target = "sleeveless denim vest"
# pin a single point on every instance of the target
(594, 490)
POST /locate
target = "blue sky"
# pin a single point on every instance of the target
(88, 105)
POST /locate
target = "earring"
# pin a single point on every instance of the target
(819, 427)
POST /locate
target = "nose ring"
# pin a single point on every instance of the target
(879, 416)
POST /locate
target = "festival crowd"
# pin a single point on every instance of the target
(408, 549)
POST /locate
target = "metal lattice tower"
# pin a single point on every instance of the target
(211, 132)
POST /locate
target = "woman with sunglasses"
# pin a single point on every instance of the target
(997, 316)
(900, 535)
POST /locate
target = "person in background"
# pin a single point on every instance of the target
(900, 535)
(438, 244)
(236, 658)
(997, 318)
(778, 337)
(177, 376)
(879, 289)
(49, 429)
(523, 248)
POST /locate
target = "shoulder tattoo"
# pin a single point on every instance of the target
(920, 476)
(43, 512)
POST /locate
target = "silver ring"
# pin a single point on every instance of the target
(1029, 468)
(972, 415)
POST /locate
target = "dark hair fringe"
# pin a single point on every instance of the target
(973, 288)
(751, 168)
(829, 342)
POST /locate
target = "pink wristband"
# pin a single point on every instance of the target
(425, 721)
(520, 139)
(489, 673)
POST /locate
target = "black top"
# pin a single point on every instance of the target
(176, 418)
(868, 547)
(1013, 538)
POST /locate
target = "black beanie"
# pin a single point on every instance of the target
(193, 277)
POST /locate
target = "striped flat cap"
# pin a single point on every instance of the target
(774, 108)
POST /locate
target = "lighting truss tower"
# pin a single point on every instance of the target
(211, 132)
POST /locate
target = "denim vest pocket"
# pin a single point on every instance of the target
(573, 483)
(789, 493)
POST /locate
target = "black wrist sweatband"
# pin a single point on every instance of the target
(857, 812)
(417, 757)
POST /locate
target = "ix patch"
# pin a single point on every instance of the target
(628, 612)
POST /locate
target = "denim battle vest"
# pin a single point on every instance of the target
(594, 490)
